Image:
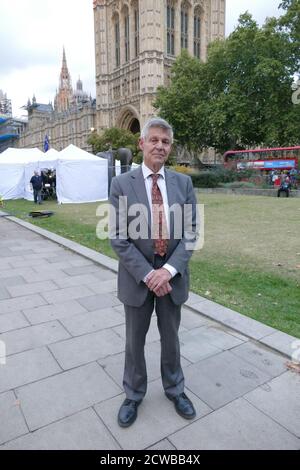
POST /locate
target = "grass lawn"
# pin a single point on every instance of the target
(250, 261)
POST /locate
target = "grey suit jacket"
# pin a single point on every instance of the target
(136, 254)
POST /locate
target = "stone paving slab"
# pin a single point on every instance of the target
(191, 319)
(237, 426)
(34, 288)
(214, 336)
(83, 430)
(4, 267)
(195, 352)
(19, 244)
(262, 358)
(12, 281)
(87, 269)
(19, 303)
(19, 247)
(89, 322)
(45, 259)
(157, 418)
(104, 287)
(53, 311)
(87, 348)
(49, 274)
(46, 267)
(7, 255)
(71, 281)
(194, 299)
(280, 399)
(12, 321)
(27, 367)
(49, 249)
(4, 294)
(104, 274)
(282, 342)
(97, 301)
(234, 320)
(69, 293)
(222, 378)
(20, 262)
(11, 272)
(33, 337)
(120, 309)
(11, 419)
(60, 396)
(165, 444)
(79, 261)
(58, 258)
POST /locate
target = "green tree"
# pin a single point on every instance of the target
(179, 102)
(291, 19)
(241, 96)
(115, 138)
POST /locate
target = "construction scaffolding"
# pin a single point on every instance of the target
(10, 130)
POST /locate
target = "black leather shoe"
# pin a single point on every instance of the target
(183, 406)
(128, 412)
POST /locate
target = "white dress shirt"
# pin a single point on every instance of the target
(161, 182)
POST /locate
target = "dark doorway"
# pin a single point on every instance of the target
(135, 126)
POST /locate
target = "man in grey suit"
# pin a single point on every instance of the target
(153, 230)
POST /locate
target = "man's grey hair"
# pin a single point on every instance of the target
(156, 122)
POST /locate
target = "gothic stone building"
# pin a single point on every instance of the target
(69, 122)
(136, 43)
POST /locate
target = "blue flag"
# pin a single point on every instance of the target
(46, 143)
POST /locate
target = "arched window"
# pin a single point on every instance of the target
(136, 31)
(126, 36)
(117, 40)
(184, 26)
(197, 33)
(170, 28)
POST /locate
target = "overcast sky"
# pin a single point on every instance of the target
(33, 32)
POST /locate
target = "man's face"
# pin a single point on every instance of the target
(156, 148)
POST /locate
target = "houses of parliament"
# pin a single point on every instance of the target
(136, 43)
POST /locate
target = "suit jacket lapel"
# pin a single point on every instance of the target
(171, 187)
(171, 191)
(138, 185)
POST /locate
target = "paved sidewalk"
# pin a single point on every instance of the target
(62, 327)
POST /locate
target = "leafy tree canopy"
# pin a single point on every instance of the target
(114, 138)
(242, 95)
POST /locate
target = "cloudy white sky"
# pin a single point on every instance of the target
(33, 32)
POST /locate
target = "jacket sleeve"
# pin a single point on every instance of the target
(184, 250)
(129, 256)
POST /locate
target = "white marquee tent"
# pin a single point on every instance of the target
(13, 163)
(81, 176)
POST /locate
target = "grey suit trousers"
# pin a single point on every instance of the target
(137, 324)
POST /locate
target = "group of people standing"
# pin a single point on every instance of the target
(278, 178)
(283, 181)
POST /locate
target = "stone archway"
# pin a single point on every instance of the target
(128, 119)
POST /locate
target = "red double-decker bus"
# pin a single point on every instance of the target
(281, 158)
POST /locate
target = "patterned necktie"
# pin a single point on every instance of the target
(159, 223)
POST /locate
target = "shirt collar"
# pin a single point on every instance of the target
(147, 172)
